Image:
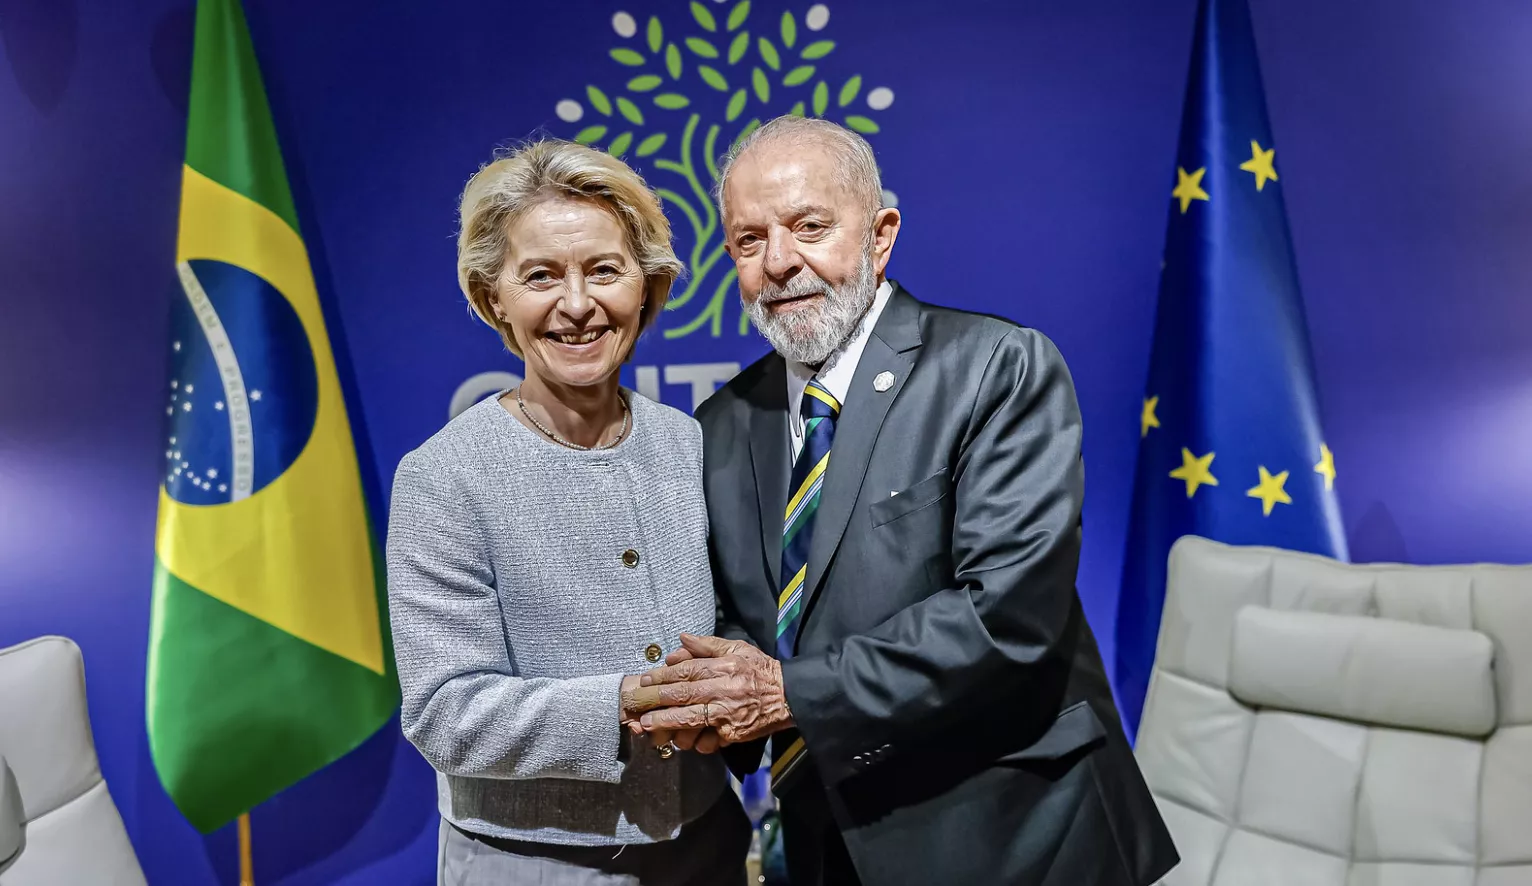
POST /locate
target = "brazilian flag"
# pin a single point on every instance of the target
(268, 652)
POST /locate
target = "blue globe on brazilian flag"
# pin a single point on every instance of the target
(269, 655)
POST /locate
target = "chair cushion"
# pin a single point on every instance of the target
(82, 842)
(1366, 670)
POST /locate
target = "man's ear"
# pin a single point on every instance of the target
(885, 230)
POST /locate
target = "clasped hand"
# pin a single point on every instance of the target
(710, 693)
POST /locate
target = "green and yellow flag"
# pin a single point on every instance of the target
(268, 653)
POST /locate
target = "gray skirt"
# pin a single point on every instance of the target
(708, 852)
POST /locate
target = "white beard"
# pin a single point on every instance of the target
(817, 337)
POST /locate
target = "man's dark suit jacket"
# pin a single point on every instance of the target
(958, 720)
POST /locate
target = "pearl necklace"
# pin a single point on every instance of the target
(626, 416)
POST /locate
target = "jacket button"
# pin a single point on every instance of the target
(653, 652)
(630, 558)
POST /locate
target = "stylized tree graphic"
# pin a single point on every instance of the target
(749, 75)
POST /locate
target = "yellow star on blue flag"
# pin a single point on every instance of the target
(1230, 372)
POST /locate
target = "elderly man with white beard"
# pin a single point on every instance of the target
(894, 503)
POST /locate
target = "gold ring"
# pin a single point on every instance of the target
(667, 750)
(705, 723)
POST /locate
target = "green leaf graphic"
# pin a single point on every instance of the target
(738, 13)
(789, 30)
(862, 124)
(769, 55)
(798, 75)
(738, 47)
(631, 111)
(787, 56)
(599, 101)
(736, 105)
(818, 49)
(849, 91)
(713, 78)
(701, 47)
(651, 144)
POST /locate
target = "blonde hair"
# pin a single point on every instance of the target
(548, 169)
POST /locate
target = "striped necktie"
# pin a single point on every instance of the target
(819, 410)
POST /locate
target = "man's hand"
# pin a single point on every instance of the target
(726, 686)
(636, 699)
(686, 739)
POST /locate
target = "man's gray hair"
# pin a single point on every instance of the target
(858, 166)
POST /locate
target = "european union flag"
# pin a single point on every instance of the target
(1231, 447)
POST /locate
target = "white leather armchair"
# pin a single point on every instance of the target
(58, 824)
(1313, 723)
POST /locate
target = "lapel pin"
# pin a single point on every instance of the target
(883, 381)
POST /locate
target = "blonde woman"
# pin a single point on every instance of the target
(550, 544)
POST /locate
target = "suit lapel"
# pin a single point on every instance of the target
(891, 348)
(769, 457)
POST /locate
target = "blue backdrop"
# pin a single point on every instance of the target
(1030, 145)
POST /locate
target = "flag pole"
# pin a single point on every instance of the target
(246, 864)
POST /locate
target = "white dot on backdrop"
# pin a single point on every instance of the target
(569, 110)
(890, 199)
(880, 98)
(624, 25)
(818, 16)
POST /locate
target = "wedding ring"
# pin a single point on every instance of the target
(704, 714)
(667, 750)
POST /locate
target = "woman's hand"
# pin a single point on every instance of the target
(635, 700)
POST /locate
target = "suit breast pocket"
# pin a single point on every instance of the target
(933, 490)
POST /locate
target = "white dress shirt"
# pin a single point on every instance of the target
(838, 379)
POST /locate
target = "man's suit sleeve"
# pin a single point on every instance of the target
(973, 649)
